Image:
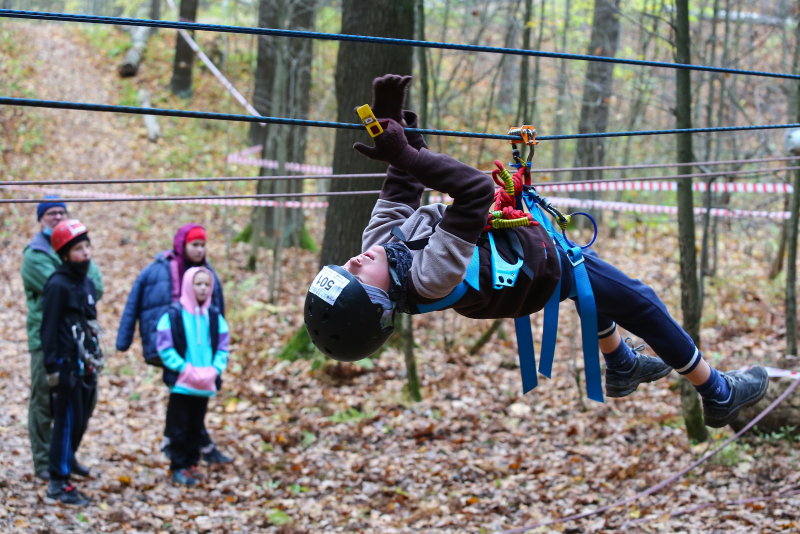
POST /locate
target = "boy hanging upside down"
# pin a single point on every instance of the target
(349, 309)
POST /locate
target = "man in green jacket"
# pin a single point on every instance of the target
(38, 263)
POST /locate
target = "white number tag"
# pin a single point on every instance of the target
(328, 285)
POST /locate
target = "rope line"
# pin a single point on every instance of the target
(121, 197)
(664, 483)
(783, 494)
(544, 185)
(196, 26)
(112, 181)
(84, 106)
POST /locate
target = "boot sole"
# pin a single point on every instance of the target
(52, 501)
(721, 423)
(616, 393)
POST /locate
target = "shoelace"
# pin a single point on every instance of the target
(636, 350)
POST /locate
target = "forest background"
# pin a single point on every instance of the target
(323, 446)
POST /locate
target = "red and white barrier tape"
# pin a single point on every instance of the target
(774, 372)
(556, 201)
(735, 187)
(643, 208)
(214, 202)
(214, 70)
(304, 168)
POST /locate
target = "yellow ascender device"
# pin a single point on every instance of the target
(369, 120)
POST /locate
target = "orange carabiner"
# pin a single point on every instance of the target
(526, 132)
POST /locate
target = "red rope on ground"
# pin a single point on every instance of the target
(786, 492)
(663, 484)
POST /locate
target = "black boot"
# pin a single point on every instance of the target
(216, 457)
(747, 388)
(646, 369)
(66, 493)
(80, 469)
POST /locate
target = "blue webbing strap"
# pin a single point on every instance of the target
(550, 330)
(527, 354)
(588, 313)
(472, 279)
(582, 288)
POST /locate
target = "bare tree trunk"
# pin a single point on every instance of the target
(597, 89)
(181, 83)
(412, 377)
(523, 116)
(358, 64)
(777, 263)
(293, 58)
(133, 58)
(508, 71)
(791, 270)
(562, 89)
(155, 12)
(150, 121)
(422, 61)
(791, 260)
(690, 400)
(536, 70)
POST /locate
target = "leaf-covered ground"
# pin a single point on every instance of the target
(343, 449)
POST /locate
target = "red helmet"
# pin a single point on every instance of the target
(65, 232)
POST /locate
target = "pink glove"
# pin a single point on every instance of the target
(391, 146)
(199, 378)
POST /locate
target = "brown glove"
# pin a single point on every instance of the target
(391, 146)
(388, 94)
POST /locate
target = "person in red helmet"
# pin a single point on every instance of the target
(72, 355)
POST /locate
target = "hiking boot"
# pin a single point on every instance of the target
(184, 478)
(80, 469)
(646, 369)
(747, 388)
(44, 474)
(195, 473)
(66, 494)
(216, 457)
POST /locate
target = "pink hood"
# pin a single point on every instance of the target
(188, 299)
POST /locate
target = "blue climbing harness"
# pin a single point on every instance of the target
(505, 275)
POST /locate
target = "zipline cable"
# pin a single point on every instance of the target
(83, 106)
(196, 26)
(112, 181)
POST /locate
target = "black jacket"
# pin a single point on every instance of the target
(69, 299)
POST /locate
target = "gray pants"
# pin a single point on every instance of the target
(40, 419)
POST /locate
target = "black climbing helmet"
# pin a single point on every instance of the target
(341, 319)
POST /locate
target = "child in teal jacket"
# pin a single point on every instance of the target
(192, 342)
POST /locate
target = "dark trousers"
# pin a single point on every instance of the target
(206, 445)
(185, 415)
(71, 407)
(636, 308)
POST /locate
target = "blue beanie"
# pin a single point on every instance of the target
(44, 206)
